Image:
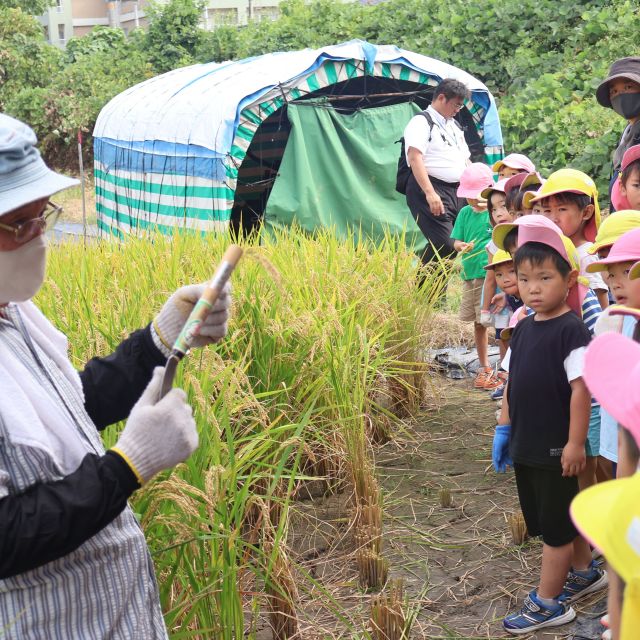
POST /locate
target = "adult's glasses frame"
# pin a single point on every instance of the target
(24, 231)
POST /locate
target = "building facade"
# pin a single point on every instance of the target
(69, 18)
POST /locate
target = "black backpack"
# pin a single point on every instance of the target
(404, 170)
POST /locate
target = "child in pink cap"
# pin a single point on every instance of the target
(471, 233)
(625, 193)
(546, 440)
(512, 164)
(612, 373)
(624, 253)
(583, 301)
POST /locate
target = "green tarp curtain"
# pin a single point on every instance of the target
(340, 170)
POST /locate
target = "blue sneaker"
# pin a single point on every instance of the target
(498, 393)
(535, 615)
(578, 586)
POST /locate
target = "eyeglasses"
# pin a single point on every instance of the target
(26, 230)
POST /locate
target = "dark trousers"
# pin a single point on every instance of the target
(436, 229)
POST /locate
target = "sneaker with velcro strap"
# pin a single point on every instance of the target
(535, 615)
(577, 586)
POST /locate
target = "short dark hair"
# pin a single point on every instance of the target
(515, 200)
(629, 171)
(537, 253)
(510, 242)
(451, 88)
(566, 197)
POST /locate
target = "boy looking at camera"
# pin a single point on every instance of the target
(546, 439)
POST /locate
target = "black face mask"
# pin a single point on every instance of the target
(626, 105)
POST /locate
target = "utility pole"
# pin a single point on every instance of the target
(113, 12)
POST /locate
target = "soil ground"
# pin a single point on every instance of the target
(459, 564)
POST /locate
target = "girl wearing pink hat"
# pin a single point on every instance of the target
(471, 233)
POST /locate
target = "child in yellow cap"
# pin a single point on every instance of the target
(507, 281)
(570, 199)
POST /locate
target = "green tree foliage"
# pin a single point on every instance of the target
(26, 60)
(32, 7)
(75, 95)
(174, 34)
(97, 40)
(542, 60)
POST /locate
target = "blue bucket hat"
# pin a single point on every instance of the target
(24, 177)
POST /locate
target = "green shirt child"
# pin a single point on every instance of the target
(473, 227)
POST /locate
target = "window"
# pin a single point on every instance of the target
(61, 37)
(59, 6)
(46, 33)
(265, 13)
(223, 16)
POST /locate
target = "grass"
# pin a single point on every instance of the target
(324, 346)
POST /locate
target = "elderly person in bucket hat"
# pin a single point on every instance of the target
(620, 91)
(73, 560)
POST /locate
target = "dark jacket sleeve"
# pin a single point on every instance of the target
(49, 520)
(112, 385)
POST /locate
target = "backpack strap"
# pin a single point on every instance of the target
(429, 119)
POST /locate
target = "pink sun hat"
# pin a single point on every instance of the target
(515, 161)
(475, 177)
(619, 201)
(537, 228)
(500, 231)
(514, 182)
(625, 249)
(612, 374)
(498, 186)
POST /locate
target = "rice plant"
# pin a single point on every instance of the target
(323, 350)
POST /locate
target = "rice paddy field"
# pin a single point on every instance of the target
(342, 487)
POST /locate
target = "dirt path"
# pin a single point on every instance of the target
(459, 563)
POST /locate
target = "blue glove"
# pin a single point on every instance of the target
(500, 452)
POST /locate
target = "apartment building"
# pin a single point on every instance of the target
(68, 18)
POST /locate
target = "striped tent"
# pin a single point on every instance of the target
(194, 147)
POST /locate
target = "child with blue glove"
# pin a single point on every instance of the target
(548, 408)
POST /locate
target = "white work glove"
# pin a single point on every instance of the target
(168, 323)
(486, 318)
(158, 435)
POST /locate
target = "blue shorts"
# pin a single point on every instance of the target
(592, 445)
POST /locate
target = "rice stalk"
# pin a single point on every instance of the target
(388, 619)
(518, 528)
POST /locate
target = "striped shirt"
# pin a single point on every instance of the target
(591, 310)
(104, 589)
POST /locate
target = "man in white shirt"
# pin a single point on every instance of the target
(437, 156)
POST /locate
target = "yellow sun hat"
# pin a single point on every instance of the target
(608, 516)
(499, 257)
(613, 226)
(634, 272)
(571, 181)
